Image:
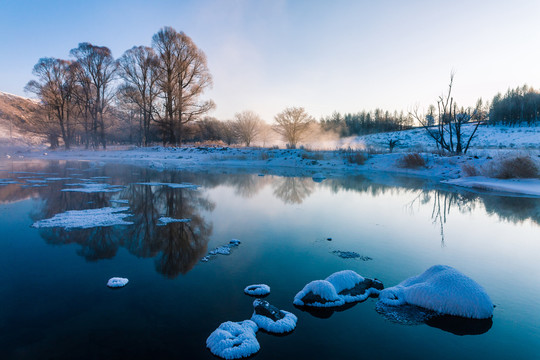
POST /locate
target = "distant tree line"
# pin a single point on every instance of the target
(366, 122)
(519, 106)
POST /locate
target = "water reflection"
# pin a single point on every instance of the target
(293, 190)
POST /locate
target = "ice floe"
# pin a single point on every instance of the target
(171, 185)
(515, 186)
(338, 289)
(117, 282)
(318, 177)
(271, 319)
(444, 290)
(8, 181)
(221, 250)
(351, 255)
(234, 340)
(164, 220)
(120, 201)
(257, 290)
(94, 188)
(87, 218)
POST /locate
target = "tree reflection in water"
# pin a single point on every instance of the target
(293, 190)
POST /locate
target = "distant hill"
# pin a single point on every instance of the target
(14, 113)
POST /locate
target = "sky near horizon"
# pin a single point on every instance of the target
(325, 56)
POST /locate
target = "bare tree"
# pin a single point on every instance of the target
(55, 88)
(138, 67)
(247, 126)
(95, 70)
(293, 124)
(448, 132)
(184, 76)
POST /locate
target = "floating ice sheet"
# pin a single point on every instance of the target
(86, 218)
(94, 188)
(442, 289)
(164, 220)
(351, 255)
(171, 185)
(221, 250)
(234, 340)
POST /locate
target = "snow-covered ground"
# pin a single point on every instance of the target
(488, 150)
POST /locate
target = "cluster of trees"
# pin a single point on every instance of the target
(366, 122)
(152, 92)
(517, 107)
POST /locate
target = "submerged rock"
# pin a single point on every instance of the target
(117, 282)
(338, 289)
(257, 290)
(271, 319)
(234, 340)
(444, 290)
(351, 255)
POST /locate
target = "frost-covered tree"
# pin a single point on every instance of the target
(293, 125)
(247, 126)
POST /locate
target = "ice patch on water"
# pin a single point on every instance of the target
(86, 218)
(117, 282)
(167, 220)
(94, 188)
(271, 319)
(221, 250)
(351, 255)
(171, 185)
(257, 290)
(8, 181)
(234, 340)
(120, 201)
(442, 289)
(57, 178)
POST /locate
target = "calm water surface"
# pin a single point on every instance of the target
(54, 303)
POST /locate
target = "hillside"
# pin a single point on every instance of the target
(14, 114)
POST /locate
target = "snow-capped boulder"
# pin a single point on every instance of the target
(352, 287)
(338, 289)
(257, 290)
(318, 177)
(234, 340)
(319, 293)
(271, 319)
(117, 282)
(442, 289)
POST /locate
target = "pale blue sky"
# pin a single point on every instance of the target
(322, 55)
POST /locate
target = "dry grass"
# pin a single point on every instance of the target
(355, 157)
(469, 170)
(411, 161)
(519, 167)
(312, 156)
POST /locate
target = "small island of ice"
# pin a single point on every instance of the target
(234, 340)
(164, 220)
(271, 319)
(338, 289)
(86, 218)
(257, 290)
(117, 282)
(442, 289)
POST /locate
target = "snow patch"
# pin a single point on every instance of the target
(234, 340)
(93, 188)
(167, 220)
(86, 218)
(516, 186)
(442, 289)
(271, 319)
(171, 185)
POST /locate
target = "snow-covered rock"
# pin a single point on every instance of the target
(271, 319)
(319, 293)
(338, 289)
(257, 290)
(442, 289)
(117, 282)
(234, 340)
(318, 177)
(86, 218)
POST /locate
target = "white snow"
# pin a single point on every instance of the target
(93, 188)
(323, 289)
(117, 282)
(280, 326)
(257, 290)
(516, 186)
(86, 218)
(221, 250)
(346, 279)
(171, 185)
(167, 220)
(442, 289)
(234, 340)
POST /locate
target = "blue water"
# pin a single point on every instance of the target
(54, 303)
